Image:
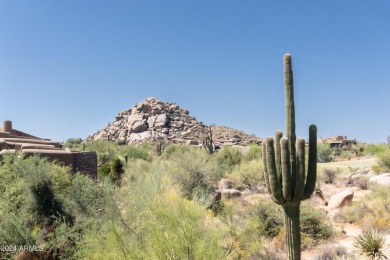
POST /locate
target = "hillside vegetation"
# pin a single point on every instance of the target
(150, 206)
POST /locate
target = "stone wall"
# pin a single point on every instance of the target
(85, 162)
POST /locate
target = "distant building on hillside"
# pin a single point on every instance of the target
(338, 141)
(15, 141)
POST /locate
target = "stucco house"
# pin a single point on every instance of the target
(16, 141)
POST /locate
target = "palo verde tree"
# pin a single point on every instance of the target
(284, 168)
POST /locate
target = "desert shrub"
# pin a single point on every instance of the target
(355, 212)
(135, 153)
(116, 166)
(153, 221)
(43, 204)
(269, 218)
(347, 154)
(324, 153)
(315, 226)
(248, 174)
(228, 157)
(370, 244)
(383, 162)
(104, 170)
(173, 149)
(102, 147)
(373, 212)
(118, 244)
(195, 172)
(361, 182)
(255, 152)
(73, 142)
(15, 230)
(329, 252)
(86, 196)
(375, 149)
(103, 158)
(329, 175)
(44, 181)
(181, 232)
(269, 252)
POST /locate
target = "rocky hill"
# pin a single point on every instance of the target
(151, 119)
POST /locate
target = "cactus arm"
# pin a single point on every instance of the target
(266, 175)
(286, 169)
(265, 167)
(312, 163)
(290, 107)
(273, 179)
(278, 136)
(300, 171)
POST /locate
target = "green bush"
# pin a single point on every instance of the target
(248, 174)
(383, 162)
(181, 232)
(153, 221)
(135, 153)
(173, 149)
(264, 219)
(255, 152)
(375, 149)
(73, 142)
(102, 146)
(315, 226)
(324, 153)
(104, 170)
(228, 157)
(44, 204)
(195, 172)
(86, 196)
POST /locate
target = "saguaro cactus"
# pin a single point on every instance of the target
(284, 168)
(208, 141)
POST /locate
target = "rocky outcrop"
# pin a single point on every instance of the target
(151, 119)
(223, 135)
(230, 193)
(341, 199)
(225, 184)
(383, 179)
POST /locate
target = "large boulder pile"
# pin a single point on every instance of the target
(223, 135)
(151, 119)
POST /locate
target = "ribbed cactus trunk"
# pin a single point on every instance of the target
(284, 168)
(292, 227)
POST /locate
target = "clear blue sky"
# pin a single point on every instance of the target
(68, 67)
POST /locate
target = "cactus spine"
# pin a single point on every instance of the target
(284, 168)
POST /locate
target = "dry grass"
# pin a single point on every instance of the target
(346, 166)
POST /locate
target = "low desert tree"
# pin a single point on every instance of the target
(324, 153)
